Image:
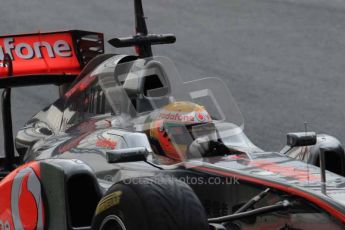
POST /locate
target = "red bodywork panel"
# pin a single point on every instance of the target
(21, 203)
(64, 52)
(40, 53)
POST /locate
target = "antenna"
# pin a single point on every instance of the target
(141, 29)
(142, 41)
(305, 151)
(322, 162)
(140, 22)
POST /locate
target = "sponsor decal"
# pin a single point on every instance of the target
(236, 157)
(109, 201)
(202, 117)
(39, 53)
(106, 143)
(176, 117)
(81, 86)
(26, 201)
(21, 202)
(272, 168)
(287, 171)
(185, 117)
(23, 50)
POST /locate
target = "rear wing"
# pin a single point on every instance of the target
(40, 59)
(64, 52)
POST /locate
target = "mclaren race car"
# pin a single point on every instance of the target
(131, 145)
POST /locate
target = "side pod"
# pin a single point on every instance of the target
(39, 193)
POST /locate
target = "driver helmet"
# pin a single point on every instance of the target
(175, 126)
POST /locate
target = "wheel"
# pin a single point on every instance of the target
(150, 203)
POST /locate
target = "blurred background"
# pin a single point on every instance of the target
(283, 60)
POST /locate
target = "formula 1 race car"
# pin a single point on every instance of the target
(130, 145)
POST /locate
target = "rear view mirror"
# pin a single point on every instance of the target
(127, 155)
(301, 139)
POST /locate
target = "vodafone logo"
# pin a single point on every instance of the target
(176, 117)
(26, 201)
(200, 117)
(185, 117)
(26, 51)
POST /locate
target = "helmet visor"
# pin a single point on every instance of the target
(178, 134)
(186, 134)
(203, 130)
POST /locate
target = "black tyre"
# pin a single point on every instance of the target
(150, 203)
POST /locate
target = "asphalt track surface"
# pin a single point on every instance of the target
(284, 60)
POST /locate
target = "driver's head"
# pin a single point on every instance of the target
(175, 126)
